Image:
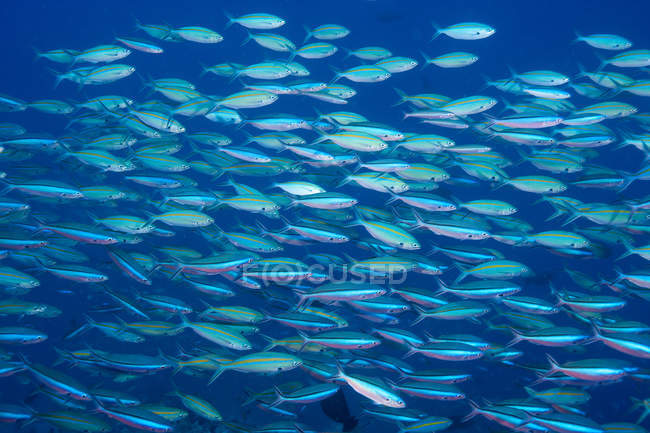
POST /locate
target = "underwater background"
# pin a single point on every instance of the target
(530, 35)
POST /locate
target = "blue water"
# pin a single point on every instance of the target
(530, 35)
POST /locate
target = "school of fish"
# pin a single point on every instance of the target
(190, 237)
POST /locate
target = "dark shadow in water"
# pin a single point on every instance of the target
(336, 408)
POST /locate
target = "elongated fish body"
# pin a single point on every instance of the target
(605, 41)
(427, 424)
(630, 59)
(456, 59)
(448, 351)
(220, 335)
(589, 369)
(342, 340)
(74, 421)
(552, 337)
(365, 74)
(140, 45)
(373, 389)
(198, 34)
(430, 390)
(562, 422)
(16, 335)
(261, 362)
(58, 382)
(199, 406)
(102, 54)
(631, 344)
(137, 418)
(258, 21)
(466, 31)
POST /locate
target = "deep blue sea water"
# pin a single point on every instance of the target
(530, 35)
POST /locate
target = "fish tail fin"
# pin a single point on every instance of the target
(58, 76)
(216, 374)
(345, 181)
(516, 339)
(530, 391)
(427, 60)
(444, 287)
(303, 299)
(628, 250)
(337, 76)
(262, 227)
(357, 221)
(204, 69)
(578, 38)
(249, 36)
(231, 20)
(279, 397)
(582, 72)
(596, 330)
(421, 315)
(419, 222)
(437, 29)
(339, 370)
(402, 96)
(308, 34)
(162, 355)
(393, 197)
(232, 78)
(137, 23)
(574, 214)
(487, 82)
(184, 322)
(513, 73)
(475, 411)
(491, 120)
(121, 321)
(80, 330)
(412, 350)
(500, 185)
(603, 62)
(394, 148)
(305, 340)
(462, 275)
(287, 223)
(23, 359)
(37, 54)
(628, 179)
(7, 187)
(554, 365)
(271, 342)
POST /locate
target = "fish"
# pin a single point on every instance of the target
(605, 41)
(465, 31)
